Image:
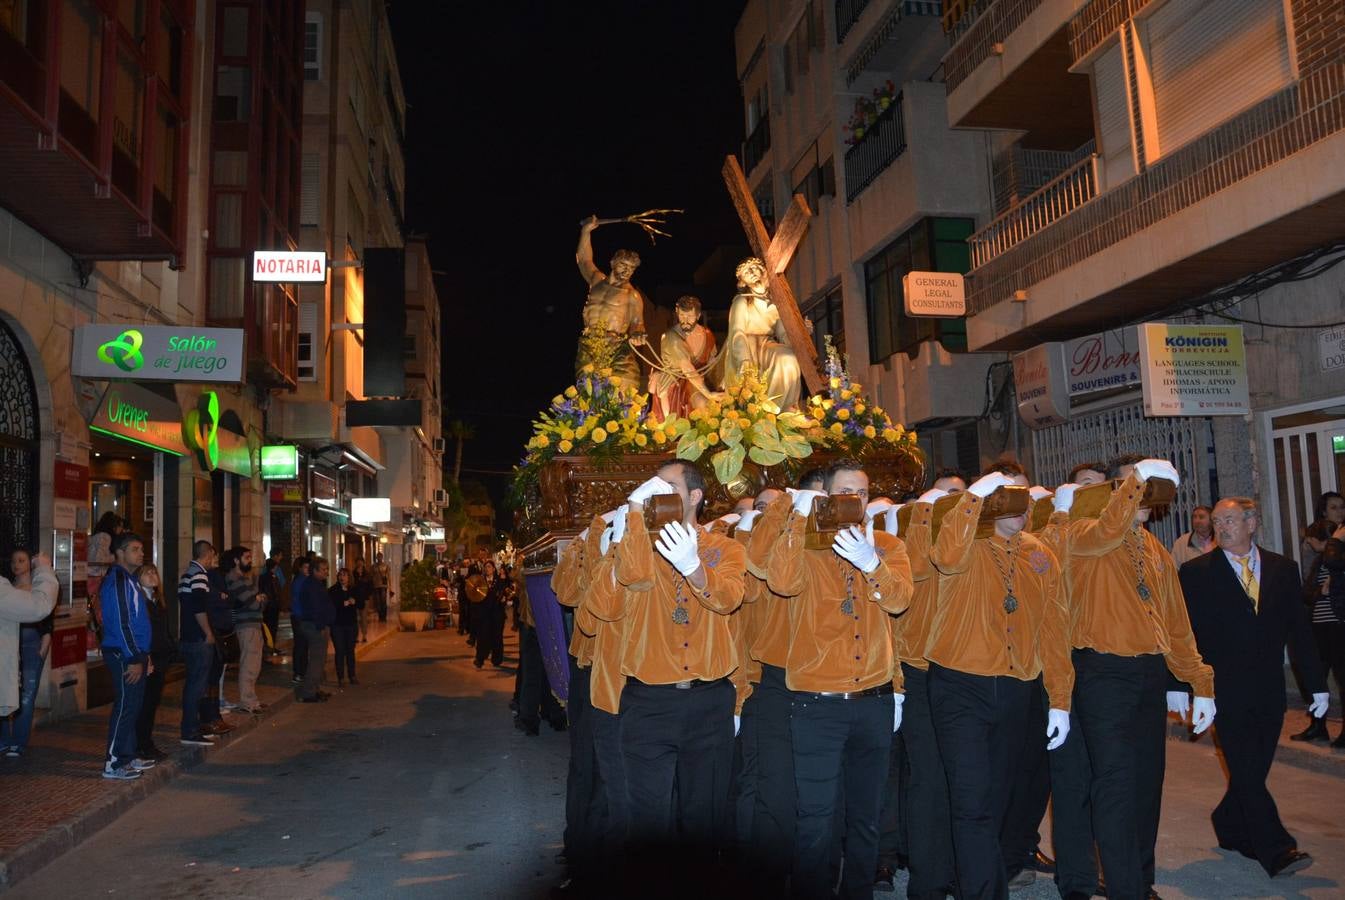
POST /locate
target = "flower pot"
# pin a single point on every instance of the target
(412, 621)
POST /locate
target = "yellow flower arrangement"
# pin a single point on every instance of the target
(843, 419)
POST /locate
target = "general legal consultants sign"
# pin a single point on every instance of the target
(158, 353)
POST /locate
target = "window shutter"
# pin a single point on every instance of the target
(308, 204)
(1211, 59)
(1113, 111)
(307, 355)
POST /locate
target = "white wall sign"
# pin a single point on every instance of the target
(284, 265)
(1194, 370)
(370, 510)
(941, 294)
(1039, 385)
(1331, 349)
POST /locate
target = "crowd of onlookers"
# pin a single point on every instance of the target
(228, 621)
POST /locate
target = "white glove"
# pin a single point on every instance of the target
(891, 525)
(1156, 468)
(897, 700)
(1319, 704)
(746, 519)
(1063, 498)
(737, 725)
(583, 536)
(1179, 702)
(1057, 728)
(677, 544)
(1037, 492)
(651, 488)
(619, 523)
(1202, 714)
(857, 547)
(931, 495)
(987, 484)
(882, 504)
(730, 518)
(803, 501)
(605, 539)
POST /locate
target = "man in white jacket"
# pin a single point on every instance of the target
(17, 607)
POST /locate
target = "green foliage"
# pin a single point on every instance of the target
(418, 584)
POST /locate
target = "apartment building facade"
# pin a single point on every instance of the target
(1177, 161)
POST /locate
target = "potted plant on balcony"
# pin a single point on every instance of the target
(417, 601)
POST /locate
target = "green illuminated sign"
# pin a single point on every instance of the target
(123, 351)
(158, 353)
(280, 461)
(1338, 443)
(130, 412)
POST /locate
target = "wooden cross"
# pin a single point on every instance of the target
(776, 251)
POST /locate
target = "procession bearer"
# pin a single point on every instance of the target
(677, 653)
(839, 668)
(1000, 622)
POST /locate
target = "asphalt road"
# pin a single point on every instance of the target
(415, 783)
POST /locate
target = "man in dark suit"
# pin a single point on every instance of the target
(1245, 605)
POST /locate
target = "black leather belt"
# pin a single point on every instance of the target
(881, 690)
(677, 685)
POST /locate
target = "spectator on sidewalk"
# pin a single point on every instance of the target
(381, 575)
(246, 605)
(349, 610)
(34, 643)
(271, 582)
(99, 558)
(299, 652)
(160, 654)
(318, 616)
(126, 645)
(196, 640)
(1196, 542)
(362, 587)
(488, 618)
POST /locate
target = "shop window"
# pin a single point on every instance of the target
(227, 281)
(128, 97)
(228, 230)
(81, 54)
(233, 94)
(935, 245)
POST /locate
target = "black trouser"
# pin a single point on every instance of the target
(316, 641)
(1031, 789)
(1122, 710)
(299, 653)
(767, 826)
(535, 697)
(929, 827)
(464, 613)
(1330, 638)
(841, 747)
(585, 805)
(489, 632)
(209, 706)
(343, 649)
(271, 616)
(149, 707)
(611, 775)
(677, 746)
(979, 722)
(1246, 819)
(1072, 813)
(381, 603)
(891, 833)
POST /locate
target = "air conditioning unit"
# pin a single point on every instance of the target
(441, 497)
(439, 445)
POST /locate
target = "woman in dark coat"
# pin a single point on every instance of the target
(490, 629)
(160, 654)
(345, 627)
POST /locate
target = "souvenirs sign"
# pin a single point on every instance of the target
(1193, 370)
(158, 353)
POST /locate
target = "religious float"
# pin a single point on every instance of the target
(774, 414)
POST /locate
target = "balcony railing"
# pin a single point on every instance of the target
(975, 31)
(1275, 129)
(883, 142)
(756, 145)
(1071, 189)
(1018, 172)
(1097, 21)
(847, 14)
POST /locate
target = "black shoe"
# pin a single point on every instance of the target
(312, 699)
(477, 663)
(558, 724)
(197, 740)
(354, 680)
(1316, 731)
(296, 679)
(1151, 894)
(884, 879)
(1289, 862)
(323, 695)
(1039, 862)
(1339, 743)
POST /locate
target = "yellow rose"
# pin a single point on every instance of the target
(641, 440)
(697, 415)
(846, 395)
(815, 400)
(557, 400)
(543, 441)
(835, 383)
(671, 427)
(869, 431)
(587, 369)
(599, 435)
(877, 410)
(712, 438)
(890, 435)
(713, 422)
(753, 409)
(660, 437)
(859, 409)
(819, 413)
(581, 432)
(567, 434)
(565, 446)
(855, 386)
(836, 428)
(827, 404)
(572, 392)
(611, 426)
(605, 371)
(842, 414)
(911, 435)
(770, 417)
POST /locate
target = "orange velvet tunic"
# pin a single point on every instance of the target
(911, 629)
(744, 623)
(606, 680)
(840, 638)
(770, 641)
(972, 631)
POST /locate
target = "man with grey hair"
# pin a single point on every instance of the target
(1245, 604)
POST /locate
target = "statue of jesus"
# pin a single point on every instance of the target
(613, 313)
(756, 335)
(686, 350)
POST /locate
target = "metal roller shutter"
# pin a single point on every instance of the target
(1113, 111)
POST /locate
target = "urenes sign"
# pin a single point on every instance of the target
(143, 417)
(287, 265)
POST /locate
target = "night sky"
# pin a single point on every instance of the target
(525, 117)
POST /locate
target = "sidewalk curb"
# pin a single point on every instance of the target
(66, 836)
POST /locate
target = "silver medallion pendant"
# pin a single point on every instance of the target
(848, 606)
(680, 616)
(1143, 590)
(1010, 603)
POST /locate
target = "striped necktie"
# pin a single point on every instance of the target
(1249, 582)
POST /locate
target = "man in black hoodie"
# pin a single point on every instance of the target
(318, 616)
